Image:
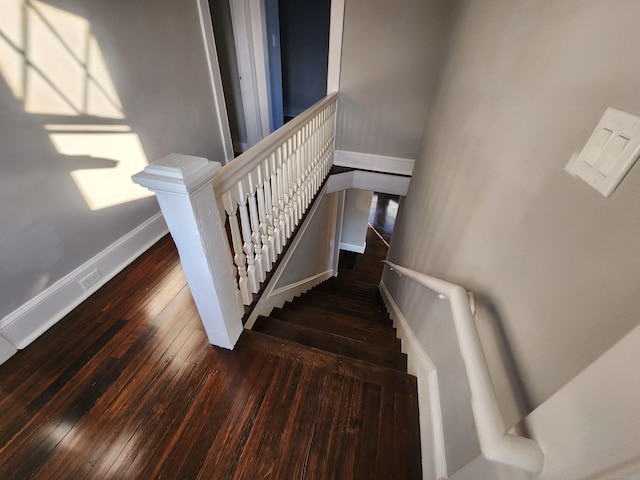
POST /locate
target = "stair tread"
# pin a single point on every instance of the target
(349, 302)
(354, 285)
(380, 317)
(340, 364)
(329, 342)
(346, 293)
(345, 318)
(381, 336)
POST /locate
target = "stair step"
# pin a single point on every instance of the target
(328, 342)
(339, 285)
(355, 283)
(363, 288)
(326, 304)
(361, 330)
(346, 318)
(348, 294)
(333, 362)
(348, 302)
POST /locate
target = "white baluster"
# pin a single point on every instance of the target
(295, 167)
(269, 207)
(308, 159)
(315, 172)
(262, 216)
(248, 246)
(300, 173)
(290, 185)
(286, 191)
(255, 225)
(239, 258)
(275, 202)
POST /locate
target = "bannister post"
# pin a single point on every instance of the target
(183, 186)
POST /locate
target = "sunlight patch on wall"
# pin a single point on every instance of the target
(12, 45)
(53, 64)
(111, 157)
(55, 46)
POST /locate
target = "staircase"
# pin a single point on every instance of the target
(342, 327)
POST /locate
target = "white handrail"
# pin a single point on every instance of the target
(495, 443)
(239, 167)
(264, 193)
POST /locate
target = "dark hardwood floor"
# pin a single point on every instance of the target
(126, 386)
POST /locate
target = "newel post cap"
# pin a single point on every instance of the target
(177, 174)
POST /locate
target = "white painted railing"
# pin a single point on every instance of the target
(495, 443)
(263, 194)
(270, 187)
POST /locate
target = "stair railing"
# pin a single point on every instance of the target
(495, 443)
(256, 200)
(271, 185)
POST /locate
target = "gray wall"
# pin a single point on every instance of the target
(391, 53)
(491, 207)
(314, 253)
(154, 55)
(355, 222)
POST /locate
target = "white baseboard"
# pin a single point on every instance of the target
(350, 247)
(7, 349)
(370, 161)
(28, 322)
(434, 464)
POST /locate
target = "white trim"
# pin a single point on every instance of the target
(258, 19)
(241, 24)
(28, 322)
(272, 298)
(335, 45)
(339, 221)
(364, 180)
(420, 365)
(370, 161)
(7, 349)
(324, 275)
(279, 297)
(216, 79)
(350, 247)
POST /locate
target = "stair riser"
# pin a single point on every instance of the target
(347, 320)
(384, 337)
(378, 317)
(345, 298)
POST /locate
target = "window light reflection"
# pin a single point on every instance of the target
(53, 64)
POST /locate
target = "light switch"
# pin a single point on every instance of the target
(610, 152)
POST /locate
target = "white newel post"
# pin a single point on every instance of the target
(183, 186)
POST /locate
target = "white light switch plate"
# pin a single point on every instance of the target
(610, 152)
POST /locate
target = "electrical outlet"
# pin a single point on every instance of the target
(91, 279)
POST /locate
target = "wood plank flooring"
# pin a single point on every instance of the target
(126, 386)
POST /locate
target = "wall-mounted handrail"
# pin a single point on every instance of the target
(495, 443)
